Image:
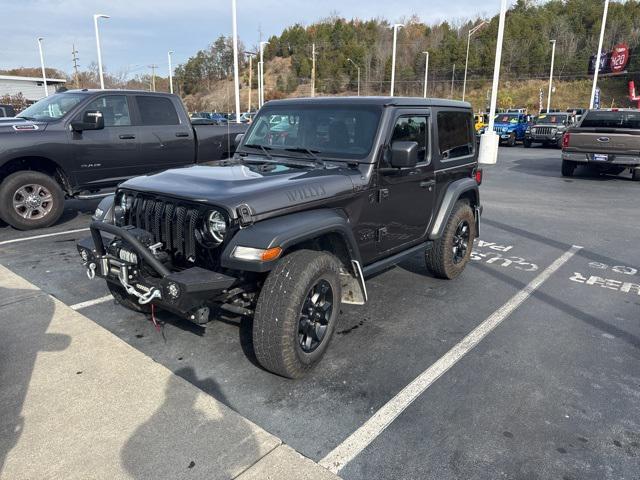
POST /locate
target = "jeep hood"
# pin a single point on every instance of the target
(233, 185)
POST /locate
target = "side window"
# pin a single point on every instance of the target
(455, 134)
(114, 108)
(412, 129)
(156, 110)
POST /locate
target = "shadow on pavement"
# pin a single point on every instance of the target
(550, 167)
(22, 336)
(181, 440)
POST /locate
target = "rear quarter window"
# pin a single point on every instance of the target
(455, 134)
(156, 110)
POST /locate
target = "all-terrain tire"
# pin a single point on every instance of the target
(512, 139)
(441, 258)
(526, 143)
(568, 168)
(25, 187)
(635, 174)
(277, 323)
(121, 296)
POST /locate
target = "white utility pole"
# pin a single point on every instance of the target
(358, 67)
(553, 56)
(313, 69)
(251, 55)
(261, 72)
(597, 69)
(95, 24)
(170, 71)
(44, 74)
(393, 55)
(236, 78)
(466, 62)
(426, 73)
(453, 76)
(488, 153)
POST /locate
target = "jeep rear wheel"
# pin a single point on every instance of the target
(30, 200)
(121, 296)
(451, 252)
(297, 312)
(568, 168)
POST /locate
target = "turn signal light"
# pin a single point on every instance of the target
(271, 254)
(256, 254)
(565, 140)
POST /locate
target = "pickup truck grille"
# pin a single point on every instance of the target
(171, 223)
(541, 130)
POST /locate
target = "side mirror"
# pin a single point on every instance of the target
(404, 154)
(91, 120)
(238, 139)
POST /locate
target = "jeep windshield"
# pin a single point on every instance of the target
(502, 118)
(315, 131)
(550, 118)
(53, 107)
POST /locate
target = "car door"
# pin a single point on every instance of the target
(405, 197)
(107, 156)
(165, 140)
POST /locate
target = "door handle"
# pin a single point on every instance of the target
(428, 184)
(182, 134)
(127, 136)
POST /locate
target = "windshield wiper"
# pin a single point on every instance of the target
(312, 153)
(261, 147)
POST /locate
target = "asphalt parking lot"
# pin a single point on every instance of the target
(552, 392)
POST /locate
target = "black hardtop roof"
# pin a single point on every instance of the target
(383, 101)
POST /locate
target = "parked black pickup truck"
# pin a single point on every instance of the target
(320, 194)
(81, 141)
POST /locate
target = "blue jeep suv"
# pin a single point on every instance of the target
(511, 127)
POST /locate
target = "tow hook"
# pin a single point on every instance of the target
(143, 298)
(91, 271)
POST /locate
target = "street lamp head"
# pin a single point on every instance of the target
(398, 25)
(40, 39)
(100, 15)
(552, 41)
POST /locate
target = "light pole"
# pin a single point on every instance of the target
(251, 55)
(236, 79)
(553, 56)
(261, 74)
(44, 74)
(170, 71)
(597, 66)
(453, 77)
(488, 152)
(95, 25)
(426, 73)
(466, 62)
(358, 67)
(393, 56)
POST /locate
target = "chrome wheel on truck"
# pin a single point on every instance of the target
(32, 201)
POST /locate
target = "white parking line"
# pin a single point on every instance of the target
(90, 303)
(372, 428)
(46, 235)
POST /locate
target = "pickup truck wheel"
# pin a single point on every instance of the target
(526, 143)
(568, 167)
(30, 200)
(512, 139)
(297, 312)
(121, 296)
(451, 252)
(635, 174)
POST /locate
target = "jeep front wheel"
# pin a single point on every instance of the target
(451, 252)
(512, 139)
(30, 200)
(297, 312)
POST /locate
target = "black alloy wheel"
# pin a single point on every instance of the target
(461, 241)
(315, 316)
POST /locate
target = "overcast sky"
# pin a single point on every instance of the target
(140, 32)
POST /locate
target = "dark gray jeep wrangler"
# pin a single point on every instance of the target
(320, 194)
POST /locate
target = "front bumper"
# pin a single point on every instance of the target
(613, 159)
(543, 138)
(185, 292)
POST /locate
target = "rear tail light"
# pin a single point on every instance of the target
(565, 140)
(478, 176)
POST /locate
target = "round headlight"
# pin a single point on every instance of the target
(216, 226)
(125, 202)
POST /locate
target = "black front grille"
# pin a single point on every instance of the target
(542, 130)
(171, 223)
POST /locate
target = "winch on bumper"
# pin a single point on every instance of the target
(131, 260)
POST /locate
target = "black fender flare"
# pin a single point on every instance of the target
(454, 191)
(285, 232)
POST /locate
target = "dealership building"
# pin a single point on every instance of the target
(31, 88)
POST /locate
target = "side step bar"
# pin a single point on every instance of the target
(385, 263)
